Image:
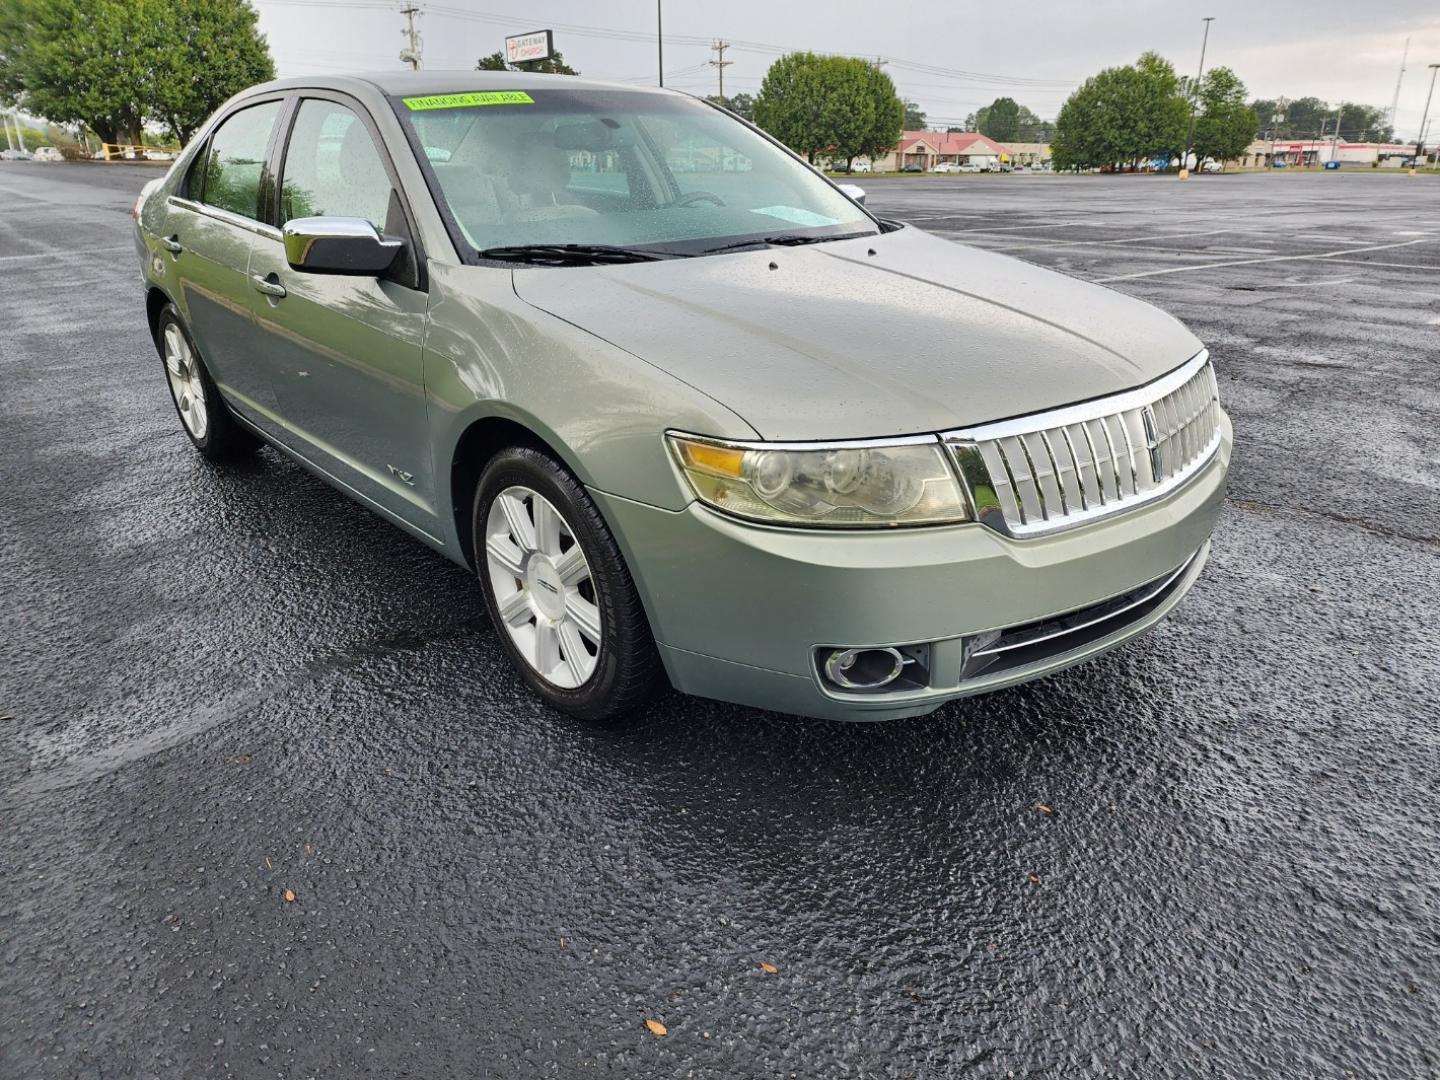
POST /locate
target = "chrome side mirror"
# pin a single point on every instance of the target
(338, 245)
(854, 191)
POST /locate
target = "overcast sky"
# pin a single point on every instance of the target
(1036, 51)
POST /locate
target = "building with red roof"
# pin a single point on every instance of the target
(926, 149)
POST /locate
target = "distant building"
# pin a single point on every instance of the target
(1028, 153)
(1263, 153)
(926, 149)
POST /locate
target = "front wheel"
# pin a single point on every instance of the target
(558, 590)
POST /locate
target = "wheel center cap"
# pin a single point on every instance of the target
(547, 591)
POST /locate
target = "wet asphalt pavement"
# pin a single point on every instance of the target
(1212, 853)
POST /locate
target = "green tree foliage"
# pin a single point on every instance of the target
(219, 52)
(914, 116)
(555, 65)
(1006, 120)
(1123, 115)
(840, 106)
(112, 64)
(1000, 120)
(1307, 117)
(742, 105)
(1225, 125)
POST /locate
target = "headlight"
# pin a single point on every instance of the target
(840, 486)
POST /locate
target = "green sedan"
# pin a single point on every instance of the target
(686, 408)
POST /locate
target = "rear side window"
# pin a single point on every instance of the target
(332, 168)
(235, 160)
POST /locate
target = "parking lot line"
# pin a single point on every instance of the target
(1268, 259)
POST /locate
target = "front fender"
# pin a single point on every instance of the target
(604, 411)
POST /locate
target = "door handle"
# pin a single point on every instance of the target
(267, 286)
(172, 244)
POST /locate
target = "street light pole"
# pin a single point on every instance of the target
(1420, 139)
(660, 39)
(1190, 134)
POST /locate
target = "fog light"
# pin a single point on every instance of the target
(864, 669)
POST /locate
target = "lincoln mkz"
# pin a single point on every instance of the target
(686, 408)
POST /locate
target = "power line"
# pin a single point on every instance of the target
(615, 34)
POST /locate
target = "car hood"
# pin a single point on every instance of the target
(884, 335)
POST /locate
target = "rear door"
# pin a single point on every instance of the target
(209, 230)
(344, 352)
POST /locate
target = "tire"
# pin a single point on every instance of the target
(203, 414)
(549, 606)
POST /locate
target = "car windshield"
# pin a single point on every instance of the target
(615, 168)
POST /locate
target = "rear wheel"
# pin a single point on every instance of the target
(215, 433)
(558, 590)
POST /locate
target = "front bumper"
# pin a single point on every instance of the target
(739, 610)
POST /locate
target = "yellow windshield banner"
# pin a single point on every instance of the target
(465, 101)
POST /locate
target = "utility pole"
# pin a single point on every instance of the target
(1395, 101)
(720, 63)
(5, 121)
(660, 38)
(1420, 141)
(1335, 142)
(411, 54)
(1190, 134)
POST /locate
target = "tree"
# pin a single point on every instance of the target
(890, 117)
(914, 116)
(837, 105)
(1226, 125)
(742, 105)
(1000, 120)
(111, 64)
(219, 52)
(82, 61)
(555, 65)
(1309, 117)
(1122, 115)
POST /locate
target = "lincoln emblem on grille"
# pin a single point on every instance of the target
(1147, 414)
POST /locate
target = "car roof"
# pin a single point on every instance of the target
(421, 83)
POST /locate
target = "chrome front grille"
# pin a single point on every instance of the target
(1052, 470)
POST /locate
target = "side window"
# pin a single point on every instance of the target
(236, 157)
(332, 168)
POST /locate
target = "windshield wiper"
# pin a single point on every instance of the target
(785, 240)
(570, 254)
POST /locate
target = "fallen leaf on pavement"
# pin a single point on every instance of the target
(1034, 879)
(657, 1028)
(289, 896)
(768, 968)
(1044, 808)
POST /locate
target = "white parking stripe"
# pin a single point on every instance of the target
(1270, 259)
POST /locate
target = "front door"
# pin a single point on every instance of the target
(344, 352)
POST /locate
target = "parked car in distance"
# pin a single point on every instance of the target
(662, 418)
(945, 167)
(968, 167)
(860, 167)
(48, 153)
(912, 168)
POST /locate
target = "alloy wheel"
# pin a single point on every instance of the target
(183, 370)
(543, 587)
